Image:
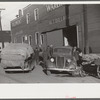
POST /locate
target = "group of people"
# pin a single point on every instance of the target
(77, 54)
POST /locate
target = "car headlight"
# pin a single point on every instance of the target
(72, 66)
(69, 60)
(52, 59)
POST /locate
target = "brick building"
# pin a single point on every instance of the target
(80, 24)
(5, 38)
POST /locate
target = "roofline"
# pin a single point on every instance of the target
(16, 18)
(27, 6)
(22, 15)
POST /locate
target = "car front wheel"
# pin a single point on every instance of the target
(48, 72)
(82, 72)
(29, 65)
(98, 71)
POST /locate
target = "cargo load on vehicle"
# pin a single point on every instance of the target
(20, 49)
(90, 57)
(16, 54)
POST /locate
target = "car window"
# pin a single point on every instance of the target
(62, 50)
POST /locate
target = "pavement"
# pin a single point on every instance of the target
(38, 76)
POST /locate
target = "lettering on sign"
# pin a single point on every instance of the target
(52, 7)
(17, 22)
(57, 20)
(19, 32)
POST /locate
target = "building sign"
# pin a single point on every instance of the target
(19, 32)
(57, 20)
(17, 22)
(52, 7)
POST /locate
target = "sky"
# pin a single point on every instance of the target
(11, 10)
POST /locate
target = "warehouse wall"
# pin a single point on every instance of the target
(5, 37)
(94, 27)
(76, 18)
(56, 19)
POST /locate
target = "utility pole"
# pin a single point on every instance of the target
(0, 18)
(67, 14)
(86, 29)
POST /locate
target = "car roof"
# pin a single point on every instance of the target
(15, 48)
(17, 45)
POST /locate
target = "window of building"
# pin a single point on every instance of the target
(30, 39)
(36, 38)
(27, 18)
(41, 38)
(26, 37)
(36, 14)
(15, 40)
(23, 39)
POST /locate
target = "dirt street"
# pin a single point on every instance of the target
(38, 76)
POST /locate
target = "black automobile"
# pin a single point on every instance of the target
(91, 66)
(62, 60)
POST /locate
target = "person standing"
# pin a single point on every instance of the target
(66, 41)
(51, 50)
(77, 53)
(37, 55)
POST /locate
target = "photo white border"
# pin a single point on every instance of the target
(68, 90)
(54, 90)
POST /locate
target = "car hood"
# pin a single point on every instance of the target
(62, 55)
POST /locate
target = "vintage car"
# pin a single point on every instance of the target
(17, 57)
(91, 64)
(62, 60)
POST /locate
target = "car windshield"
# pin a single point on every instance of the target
(62, 50)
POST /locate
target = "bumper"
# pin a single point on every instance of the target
(12, 63)
(17, 69)
(61, 69)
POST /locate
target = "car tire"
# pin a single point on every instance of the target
(79, 72)
(48, 72)
(27, 65)
(82, 72)
(73, 74)
(98, 71)
(32, 65)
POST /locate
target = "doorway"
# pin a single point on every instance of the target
(70, 34)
